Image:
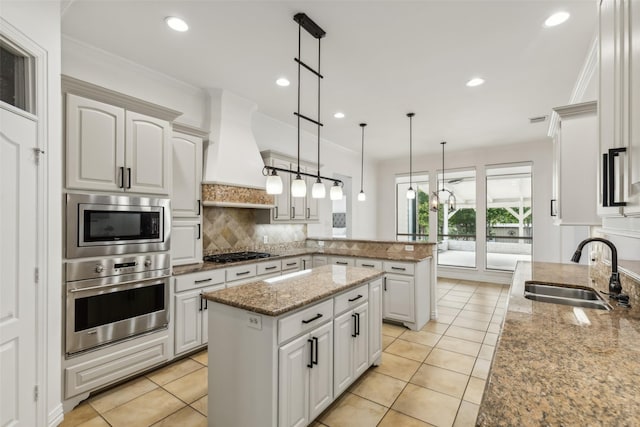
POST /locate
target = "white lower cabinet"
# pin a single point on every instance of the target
(190, 309)
(305, 377)
(186, 242)
(351, 351)
(398, 298)
(320, 260)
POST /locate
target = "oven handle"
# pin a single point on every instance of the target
(110, 285)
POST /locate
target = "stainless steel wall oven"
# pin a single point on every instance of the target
(112, 299)
(99, 225)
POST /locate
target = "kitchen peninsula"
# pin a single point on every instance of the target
(281, 350)
(562, 365)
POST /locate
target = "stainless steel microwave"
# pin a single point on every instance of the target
(99, 225)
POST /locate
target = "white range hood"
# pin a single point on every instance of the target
(232, 156)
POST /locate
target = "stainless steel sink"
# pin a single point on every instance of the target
(558, 294)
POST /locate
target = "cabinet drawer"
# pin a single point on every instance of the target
(191, 281)
(369, 263)
(342, 260)
(241, 272)
(399, 267)
(269, 267)
(291, 264)
(351, 298)
(302, 321)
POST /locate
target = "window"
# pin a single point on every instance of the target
(15, 69)
(509, 216)
(412, 216)
(457, 228)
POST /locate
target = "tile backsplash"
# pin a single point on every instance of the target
(235, 229)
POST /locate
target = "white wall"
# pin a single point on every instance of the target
(546, 242)
(40, 22)
(278, 136)
(102, 68)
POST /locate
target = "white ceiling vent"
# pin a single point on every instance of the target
(538, 119)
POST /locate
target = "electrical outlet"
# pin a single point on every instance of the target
(265, 239)
(254, 321)
(321, 243)
(408, 248)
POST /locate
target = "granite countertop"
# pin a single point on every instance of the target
(372, 254)
(554, 366)
(286, 293)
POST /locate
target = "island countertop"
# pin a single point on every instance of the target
(560, 365)
(282, 294)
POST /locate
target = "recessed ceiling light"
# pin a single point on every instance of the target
(475, 82)
(556, 19)
(282, 82)
(176, 24)
(339, 115)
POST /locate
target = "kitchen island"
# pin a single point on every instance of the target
(281, 350)
(563, 365)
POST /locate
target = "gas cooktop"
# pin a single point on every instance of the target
(236, 256)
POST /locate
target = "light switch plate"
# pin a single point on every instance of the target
(408, 248)
(321, 243)
(254, 321)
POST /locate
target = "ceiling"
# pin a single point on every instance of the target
(381, 60)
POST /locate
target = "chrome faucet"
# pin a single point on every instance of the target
(615, 288)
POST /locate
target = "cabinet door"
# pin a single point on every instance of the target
(398, 298)
(361, 341)
(188, 321)
(147, 154)
(281, 211)
(293, 383)
(321, 375)
(95, 135)
(186, 242)
(187, 175)
(343, 329)
(375, 320)
(633, 117)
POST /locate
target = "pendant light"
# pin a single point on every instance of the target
(438, 197)
(411, 193)
(361, 196)
(298, 184)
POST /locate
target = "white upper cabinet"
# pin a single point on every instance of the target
(575, 165)
(95, 145)
(111, 149)
(619, 102)
(187, 175)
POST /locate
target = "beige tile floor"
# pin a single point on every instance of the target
(432, 377)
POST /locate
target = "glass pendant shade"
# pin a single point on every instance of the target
(318, 191)
(336, 192)
(434, 202)
(298, 187)
(411, 193)
(452, 202)
(361, 196)
(274, 184)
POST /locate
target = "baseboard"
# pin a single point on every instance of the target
(500, 277)
(55, 416)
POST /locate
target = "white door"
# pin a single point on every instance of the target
(361, 342)
(343, 330)
(321, 375)
(95, 145)
(375, 320)
(398, 298)
(147, 154)
(293, 383)
(188, 321)
(187, 175)
(18, 222)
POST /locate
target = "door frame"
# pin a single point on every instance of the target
(48, 330)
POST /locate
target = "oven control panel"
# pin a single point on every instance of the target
(105, 267)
